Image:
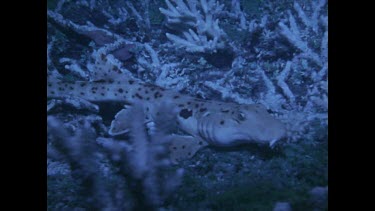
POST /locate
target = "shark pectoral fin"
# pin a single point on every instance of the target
(184, 147)
(121, 123)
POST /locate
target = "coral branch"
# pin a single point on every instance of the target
(200, 28)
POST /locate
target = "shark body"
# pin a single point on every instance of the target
(205, 122)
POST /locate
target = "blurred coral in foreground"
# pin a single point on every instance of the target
(142, 163)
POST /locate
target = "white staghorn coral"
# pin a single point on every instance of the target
(200, 28)
(313, 25)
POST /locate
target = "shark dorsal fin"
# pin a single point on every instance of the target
(107, 68)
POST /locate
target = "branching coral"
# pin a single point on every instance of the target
(78, 150)
(307, 31)
(149, 159)
(196, 20)
(310, 36)
(143, 161)
(313, 25)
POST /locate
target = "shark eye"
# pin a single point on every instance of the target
(241, 116)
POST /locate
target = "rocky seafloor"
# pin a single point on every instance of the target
(266, 52)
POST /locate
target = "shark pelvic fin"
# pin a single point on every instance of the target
(184, 147)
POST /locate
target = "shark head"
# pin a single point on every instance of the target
(244, 124)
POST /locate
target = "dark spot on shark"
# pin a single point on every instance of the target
(101, 81)
(131, 82)
(200, 143)
(199, 100)
(185, 113)
(189, 103)
(225, 111)
(139, 89)
(49, 84)
(181, 105)
(102, 56)
(52, 92)
(147, 98)
(197, 105)
(147, 85)
(83, 84)
(175, 97)
(203, 109)
(82, 93)
(138, 96)
(120, 90)
(222, 122)
(102, 94)
(157, 94)
(183, 147)
(61, 89)
(71, 88)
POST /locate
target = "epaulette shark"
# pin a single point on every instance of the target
(205, 122)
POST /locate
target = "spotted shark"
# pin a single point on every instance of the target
(203, 122)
